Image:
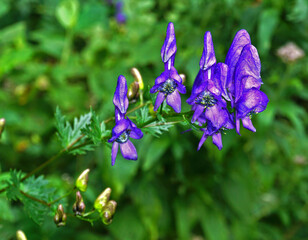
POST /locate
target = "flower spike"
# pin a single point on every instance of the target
(169, 83)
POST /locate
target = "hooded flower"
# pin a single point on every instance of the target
(124, 128)
(240, 40)
(246, 96)
(206, 98)
(169, 83)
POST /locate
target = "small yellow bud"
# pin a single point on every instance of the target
(135, 72)
(102, 199)
(20, 235)
(2, 125)
(82, 180)
(108, 212)
(183, 76)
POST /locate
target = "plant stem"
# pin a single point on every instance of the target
(34, 198)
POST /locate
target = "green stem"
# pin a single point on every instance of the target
(64, 196)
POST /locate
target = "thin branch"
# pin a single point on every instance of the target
(34, 198)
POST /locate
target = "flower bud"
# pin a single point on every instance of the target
(60, 216)
(102, 199)
(20, 235)
(82, 180)
(183, 76)
(135, 72)
(108, 212)
(2, 125)
(79, 207)
(133, 91)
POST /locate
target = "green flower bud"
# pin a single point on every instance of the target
(2, 124)
(133, 91)
(60, 216)
(102, 199)
(108, 212)
(82, 180)
(135, 72)
(79, 207)
(20, 235)
(183, 76)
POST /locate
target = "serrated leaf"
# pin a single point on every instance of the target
(66, 133)
(142, 116)
(13, 192)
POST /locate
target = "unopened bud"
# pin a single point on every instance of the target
(79, 207)
(2, 125)
(20, 235)
(183, 76)
(133, 91)
(102, 199)
(135, 72)
(82, 180)
(60, 216)
(108, 212)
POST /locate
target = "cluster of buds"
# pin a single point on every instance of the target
(105, 207)
(79, 207)
(60, 217)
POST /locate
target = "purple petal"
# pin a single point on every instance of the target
(237, 125)
(162, 78)
(135, 133)
(199, 83)
(248, 124)
(217, 116)
(202, 140)
(217, 140)
(119, 128)
(128, 150)
(168, 49)
(240, 40)
(181, 88)
(208, 58)
(120, 99)
(174, 101)
(252, 100)
(118, 115)
(114, 152)
(174, 75)
(220, 73)
(248, 65)
(159, 100)
(198, 111)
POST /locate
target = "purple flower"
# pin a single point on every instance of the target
(240, 40)
(169, 83)
(124, 128)
(206, 98)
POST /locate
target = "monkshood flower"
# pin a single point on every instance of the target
(124, 128)
(120, 16)
(245, 80)
(218, 119)
(169, 83)
(240, 40)
(207, 88)
(206, 98)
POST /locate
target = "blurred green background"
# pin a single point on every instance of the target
(70, 53)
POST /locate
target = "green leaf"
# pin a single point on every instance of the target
(68, 134)
(67, 13)
(95, 130)
(13, 192)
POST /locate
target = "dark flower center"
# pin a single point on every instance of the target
(206, 99)
(251, 114)
(123, 137)
(168, 87)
